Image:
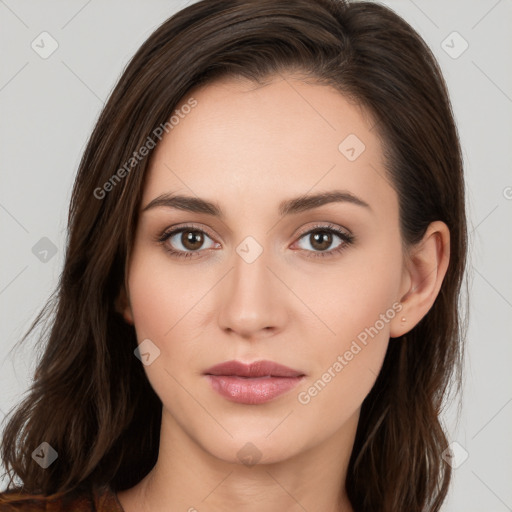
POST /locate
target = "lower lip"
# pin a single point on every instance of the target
(252, 391)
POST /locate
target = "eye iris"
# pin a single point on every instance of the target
(192, 240)
(321, 240)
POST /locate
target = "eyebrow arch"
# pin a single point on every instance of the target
(287, 207)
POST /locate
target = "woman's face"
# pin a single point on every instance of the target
(264, 275)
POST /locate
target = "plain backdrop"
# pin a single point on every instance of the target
(49, 104)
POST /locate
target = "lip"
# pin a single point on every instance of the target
(256, 369)
(254, 383)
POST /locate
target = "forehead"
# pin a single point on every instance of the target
(266, 143)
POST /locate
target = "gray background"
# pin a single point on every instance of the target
(49, 106)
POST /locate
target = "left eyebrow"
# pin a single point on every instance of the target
(287, 207)
(308, 202)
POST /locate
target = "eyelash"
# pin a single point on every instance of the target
(347, 239)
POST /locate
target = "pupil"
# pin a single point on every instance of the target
(322, 240)
(192, 239)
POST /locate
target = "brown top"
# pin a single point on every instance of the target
(102, 499)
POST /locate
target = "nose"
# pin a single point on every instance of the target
(253, 300)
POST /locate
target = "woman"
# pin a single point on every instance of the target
(259, 303)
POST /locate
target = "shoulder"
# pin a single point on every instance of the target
(96, 499)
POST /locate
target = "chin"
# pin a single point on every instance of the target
(251, 449)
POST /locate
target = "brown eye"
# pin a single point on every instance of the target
(192, 240)
(186, 241)
(320, 240)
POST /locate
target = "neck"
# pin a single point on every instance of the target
(187, 477)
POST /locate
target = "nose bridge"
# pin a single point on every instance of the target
(250, 276)
(251, 301)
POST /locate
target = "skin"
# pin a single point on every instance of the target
(248, 148)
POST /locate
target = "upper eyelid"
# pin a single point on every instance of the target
(176, 229)
(328, 227)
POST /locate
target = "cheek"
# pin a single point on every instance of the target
(168, 306)
(164, 303)
(353, 296)
(346, 367)
(160, 294)
(362, 304)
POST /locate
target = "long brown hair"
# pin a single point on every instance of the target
(91, 400)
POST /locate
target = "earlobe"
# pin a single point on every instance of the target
(399, 325)
(426, 267)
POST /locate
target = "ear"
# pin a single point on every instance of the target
(425, 267)
(122, 305)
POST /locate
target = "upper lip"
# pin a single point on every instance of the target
(255, 369)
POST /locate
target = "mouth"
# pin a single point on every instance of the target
(254, 383)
